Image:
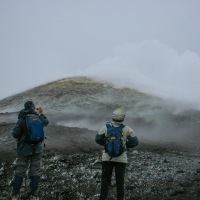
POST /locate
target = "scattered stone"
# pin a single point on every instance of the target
(165, 160)
(180, 171)
(178, 191)
(198, 170)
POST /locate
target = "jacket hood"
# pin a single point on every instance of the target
(24, 112)
(118, 115)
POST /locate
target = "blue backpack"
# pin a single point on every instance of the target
(35, 129)
(114, 146)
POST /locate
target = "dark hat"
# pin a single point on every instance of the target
(29, 105)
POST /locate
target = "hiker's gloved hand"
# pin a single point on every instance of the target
(39, 111)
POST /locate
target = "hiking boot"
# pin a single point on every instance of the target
(16, 183)
(33, 197)
(16, 197)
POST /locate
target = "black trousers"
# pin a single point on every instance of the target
(107, 169)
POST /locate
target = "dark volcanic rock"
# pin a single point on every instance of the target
(72, 170)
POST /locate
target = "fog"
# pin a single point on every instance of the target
(149, 123)
(152, 46)
(154, 68)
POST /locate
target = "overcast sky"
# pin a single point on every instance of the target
(152, 45)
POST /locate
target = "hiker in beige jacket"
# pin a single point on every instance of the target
(118, 161)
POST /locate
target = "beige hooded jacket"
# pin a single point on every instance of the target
(118, 118)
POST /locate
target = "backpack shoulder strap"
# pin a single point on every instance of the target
(109, 125)
(122, 126)
(120, 129)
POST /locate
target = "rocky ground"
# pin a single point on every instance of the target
(166, 171)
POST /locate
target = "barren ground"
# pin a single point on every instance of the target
(71, 168)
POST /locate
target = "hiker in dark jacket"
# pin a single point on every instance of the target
(27, 153)
(129, 140)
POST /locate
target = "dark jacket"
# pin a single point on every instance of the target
(20, 132)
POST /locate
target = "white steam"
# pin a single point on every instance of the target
(154, 68)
